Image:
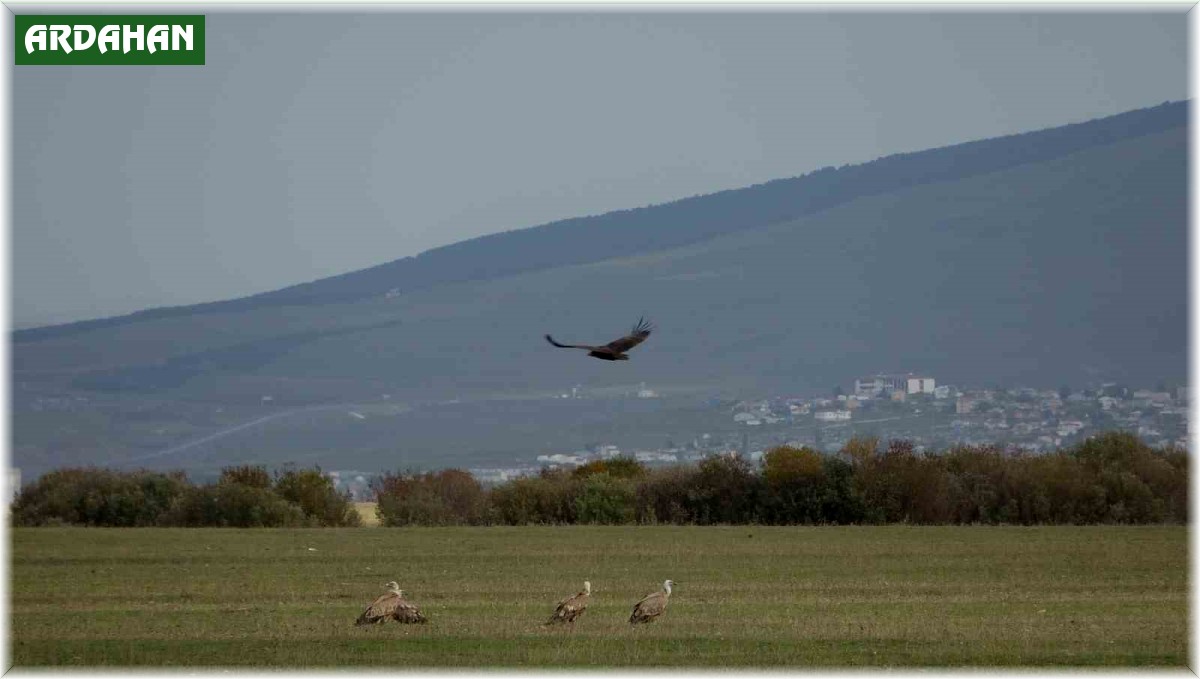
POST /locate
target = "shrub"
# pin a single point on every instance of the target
(604, 499)
(1112, 478)
(805, 486)
(620, 467)
(725, 490)
(448, 497)
(544, 499)
(97, 497)
(314, 493)
(860, 451)
(233, 505)
(662, 496)
(840, 503)
(795, 484)
(900, 486)
(246, 475)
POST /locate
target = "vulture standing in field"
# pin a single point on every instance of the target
(390, 605)
(572, 607)
(614, 350)
(652, 606)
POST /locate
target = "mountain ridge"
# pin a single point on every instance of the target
(688, 220)
(1065, 271)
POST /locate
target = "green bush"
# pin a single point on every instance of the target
(663, 496)
(254, 476)
(314, 493)
(804, 486)
(233, 505)
(543, 499)
(725, 490)
(446, 498)
(97, 497)
(795, 485)
(621, 467)
(1111, 478)
(604, 499)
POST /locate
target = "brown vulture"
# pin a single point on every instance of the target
(391, 605)
(572, 607)
(652, 606)
(614, 350)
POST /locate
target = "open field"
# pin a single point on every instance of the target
(745, 596)
(366, 511)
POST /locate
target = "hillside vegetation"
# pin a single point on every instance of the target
(1054, 257)
(625, 232)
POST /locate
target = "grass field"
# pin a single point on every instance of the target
(366, 511)
(745, 596)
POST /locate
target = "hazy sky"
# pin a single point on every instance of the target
(312, 144)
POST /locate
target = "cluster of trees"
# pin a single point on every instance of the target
(244, 497)
(1114, 478)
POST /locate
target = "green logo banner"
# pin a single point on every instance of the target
(109, 39)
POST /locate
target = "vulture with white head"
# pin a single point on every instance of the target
(649, 608)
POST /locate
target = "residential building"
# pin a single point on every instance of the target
(920, 385)
(877, 385)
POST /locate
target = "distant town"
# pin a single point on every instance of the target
(889, 406)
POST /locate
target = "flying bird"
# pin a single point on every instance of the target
(652, 606)
(614, 350)
(572, 607)
(391, 605)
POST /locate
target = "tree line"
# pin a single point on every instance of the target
(1112, 478)
(244, 497)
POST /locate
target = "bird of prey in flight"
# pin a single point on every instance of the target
(614, 350)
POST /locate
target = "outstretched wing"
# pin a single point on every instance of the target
(568, 346)
(639, 334)
(379, 609)
(407, 612)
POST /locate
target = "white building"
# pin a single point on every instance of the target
(877, 385)
(608, 451)
(833, 415)
(559, 458)
(1069, 427)
(920, 385)
(654, 456)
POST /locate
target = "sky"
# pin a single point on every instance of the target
(313, 144)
